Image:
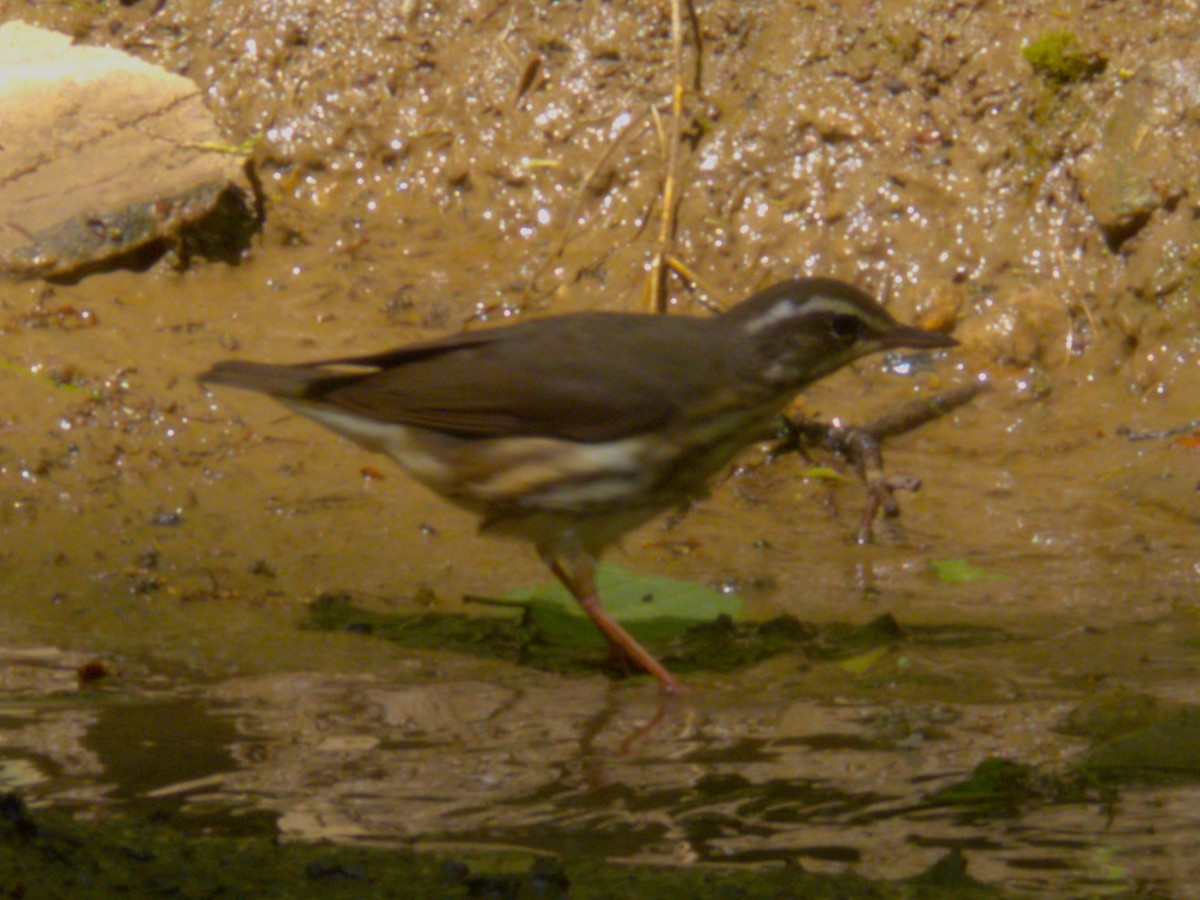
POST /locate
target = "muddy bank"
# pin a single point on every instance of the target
(426, 165)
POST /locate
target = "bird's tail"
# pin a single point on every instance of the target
(278, 381)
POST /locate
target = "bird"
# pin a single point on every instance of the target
(568, 431)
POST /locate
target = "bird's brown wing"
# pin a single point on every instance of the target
(586, 377)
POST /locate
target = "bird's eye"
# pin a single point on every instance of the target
(845, 327)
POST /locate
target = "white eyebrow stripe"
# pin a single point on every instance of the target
(781, 310)
(817, 303)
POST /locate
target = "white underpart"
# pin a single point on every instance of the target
(564, 475)
(393, 440)
(549, 472)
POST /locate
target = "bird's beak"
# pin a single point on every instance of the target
(917, 338)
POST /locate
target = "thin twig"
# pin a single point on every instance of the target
(580, 192)
(684, 271)
(1130, 433)
(862, 447)
(694, 19)
(657, 285)
(917, 412)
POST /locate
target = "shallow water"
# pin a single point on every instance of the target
(571, 766)
(178, 538)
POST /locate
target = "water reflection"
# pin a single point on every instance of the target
(587, 767)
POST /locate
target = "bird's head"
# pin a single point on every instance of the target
(805, 328)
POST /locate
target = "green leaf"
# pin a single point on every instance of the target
(651, 607)
(857, 665)
(824, 472)
(959, 571)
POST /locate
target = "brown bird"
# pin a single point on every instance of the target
(569, 431)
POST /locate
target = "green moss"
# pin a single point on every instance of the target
(49, 855)
(720, 645)
(1002, 787)
(1112, 714)
(1166, 750)
(1058, 59)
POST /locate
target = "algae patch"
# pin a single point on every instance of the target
(1058, 58)
(49, 854)
(545, 636)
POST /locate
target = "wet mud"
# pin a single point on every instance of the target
(1004, 680)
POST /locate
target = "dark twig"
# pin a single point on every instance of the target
(862, 447)
(1127, 431)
